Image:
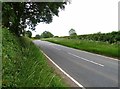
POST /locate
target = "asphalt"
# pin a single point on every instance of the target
(89, 69)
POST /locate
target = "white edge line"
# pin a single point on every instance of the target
(86, 59)
(64, 72)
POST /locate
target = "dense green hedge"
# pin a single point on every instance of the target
(113, 37)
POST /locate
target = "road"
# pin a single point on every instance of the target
(89, 69)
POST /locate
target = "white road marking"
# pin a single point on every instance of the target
(96, 54)
(64, 72)
(90, 53)
(85, 51)
(86, 59)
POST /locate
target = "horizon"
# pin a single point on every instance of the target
(83, 34)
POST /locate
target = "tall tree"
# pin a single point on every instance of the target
(17, 15)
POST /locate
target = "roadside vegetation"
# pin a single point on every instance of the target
(112, 37)
(98, 47)
(23, 65)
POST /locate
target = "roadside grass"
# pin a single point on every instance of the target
(102, 48)
(23, 65)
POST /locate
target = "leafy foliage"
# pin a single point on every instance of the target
(37, 36)
(17, 15)
(46, 34)
(113, 37)
(73, 34)
(23, 65)
(28, 33)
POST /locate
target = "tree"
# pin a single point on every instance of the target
(37, 36)
(46, 34)
(18, 15)
(56, 36)
(28, 33)
(72, 33)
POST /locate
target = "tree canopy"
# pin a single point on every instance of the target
(28, 33)
(72, 32)
(18, 15)
(46, 34)
(37, 36)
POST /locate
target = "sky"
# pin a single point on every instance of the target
(85, 16)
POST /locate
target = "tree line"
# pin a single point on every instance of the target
(111, 37)
(45, 34)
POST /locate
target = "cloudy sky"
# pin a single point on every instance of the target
(85, 16)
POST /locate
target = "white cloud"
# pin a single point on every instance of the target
(85, 16)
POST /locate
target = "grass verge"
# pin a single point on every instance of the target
(90, 46)
(23, 65)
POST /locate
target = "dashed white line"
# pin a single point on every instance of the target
(95, 54)
(86, 59)
(64, 72)
(90, 53)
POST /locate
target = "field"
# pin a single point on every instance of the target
(23, 65)
(87, 45)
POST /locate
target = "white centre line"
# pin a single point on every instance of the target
(86, 59)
